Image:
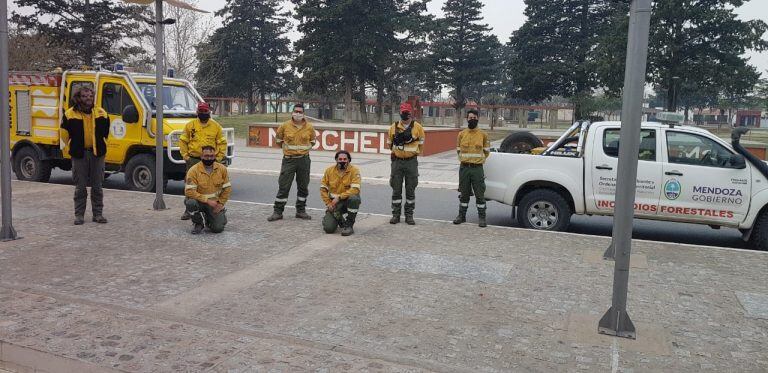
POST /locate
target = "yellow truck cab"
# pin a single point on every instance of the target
(39, 100)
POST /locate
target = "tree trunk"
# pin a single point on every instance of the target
(459, 106)
(493, 119)
(671, 98)
(348, 100)
(379, 102)
(263, 103)
(251, 103)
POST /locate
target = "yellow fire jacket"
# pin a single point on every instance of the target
(411, 149)
(196, 135)
(202, 186)
(473, 146)
(340, 184)
(295, 141)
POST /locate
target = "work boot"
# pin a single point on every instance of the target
(303, 215)
(461, 218)
(99, 219)
(275, 216)
(347, 229)
(198, 229)
(79, 220)
(395, 219)
(409, 220)
(186, 215)
(481, 218)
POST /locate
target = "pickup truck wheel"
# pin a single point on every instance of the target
(140, 173)
(520, 142)
(28, 166)
(544, 209)
(759, 238)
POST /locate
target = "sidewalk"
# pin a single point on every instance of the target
(141, 294)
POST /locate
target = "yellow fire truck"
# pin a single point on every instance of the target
(38, 101)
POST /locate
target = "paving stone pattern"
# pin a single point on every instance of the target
(391, 298)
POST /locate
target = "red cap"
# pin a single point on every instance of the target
(203, 107)
(406, 107)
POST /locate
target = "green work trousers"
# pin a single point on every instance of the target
(472, 178)
(203, 214)
(293, 168)
(333, 220)
(404, 170)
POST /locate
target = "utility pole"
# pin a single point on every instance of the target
(7, 233)
(616, 320)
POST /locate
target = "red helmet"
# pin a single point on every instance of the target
(203, 107)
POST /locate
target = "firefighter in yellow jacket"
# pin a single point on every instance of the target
(207, 188)
(296, 137)
(406, 141)
(200, 132)
(473, 148)
(340, 191)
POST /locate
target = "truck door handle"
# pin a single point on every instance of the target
(675, 173)
(604, 167)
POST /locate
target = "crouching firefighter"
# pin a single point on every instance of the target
(340, 190)
(207, 189)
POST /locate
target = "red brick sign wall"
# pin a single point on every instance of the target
(356, 141)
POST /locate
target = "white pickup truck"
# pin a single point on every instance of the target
(684, 174)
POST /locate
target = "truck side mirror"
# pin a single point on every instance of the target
(737, 161)
(130, 114)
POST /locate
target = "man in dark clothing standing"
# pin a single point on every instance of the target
(84, 130)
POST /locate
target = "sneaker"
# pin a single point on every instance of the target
(186, 215)
(79, 220)
(409, 220)
(303, 215)
(99, 219)
(275, 216)
(197, 229)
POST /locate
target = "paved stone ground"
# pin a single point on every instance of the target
(140, 294)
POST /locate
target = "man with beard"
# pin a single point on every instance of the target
(84, 130)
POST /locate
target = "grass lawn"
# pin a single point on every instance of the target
(240, 122)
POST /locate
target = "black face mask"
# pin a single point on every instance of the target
(405, 116)
(342, 165)
(472, 123)
(203, 117)
(208, 162)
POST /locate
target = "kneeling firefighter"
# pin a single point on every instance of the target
(340, 191)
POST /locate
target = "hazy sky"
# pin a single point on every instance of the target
(505, 16)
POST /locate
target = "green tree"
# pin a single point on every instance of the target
(694, 46)
(249, 55)
(348, 44)
(552, 53)
(464, 50)
(87, 29)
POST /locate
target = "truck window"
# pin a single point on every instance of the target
(114, 98)
(74, 87)
(688, 148)
(647, 144)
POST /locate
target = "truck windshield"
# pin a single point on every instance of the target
(178, 101)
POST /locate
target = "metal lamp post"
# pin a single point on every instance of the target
(7, 233)
(616, 320)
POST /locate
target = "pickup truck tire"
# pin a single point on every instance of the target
(520, 142)
(140, 173)
(758, 240)
(28, 166)
(544, 209)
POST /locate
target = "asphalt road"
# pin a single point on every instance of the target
(442, 204)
